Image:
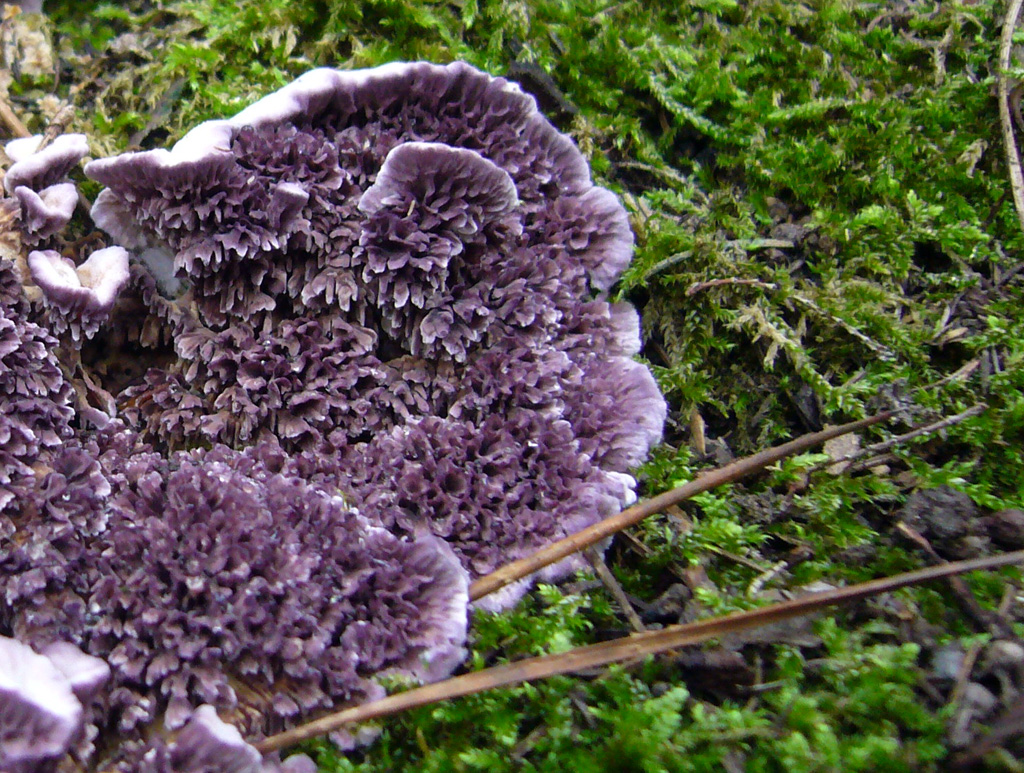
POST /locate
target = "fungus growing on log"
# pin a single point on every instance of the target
(40, 713)
(35, 399)
(38, 169)
(207, 744)
(208, 578)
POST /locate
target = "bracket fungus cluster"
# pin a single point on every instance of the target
(382, 363)
(76, 298)
(37, 178)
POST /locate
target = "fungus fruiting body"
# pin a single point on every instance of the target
(380, 256)
(207, 744)
(76, 298)
(45, 213)
(37, 166)
(382, 362)
(39, 713)
(82, 295)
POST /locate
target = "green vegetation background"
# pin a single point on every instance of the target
(840, 165)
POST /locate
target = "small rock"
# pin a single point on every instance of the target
(1006, 528)
(945, 517)
(978, 698)
(947, 661)
(977, 703)
(971, 546)
(718, 450)
(1004, 660)
(1004, 653)
(861, 554)
(719, 671)
(790, 232)
(669, 606)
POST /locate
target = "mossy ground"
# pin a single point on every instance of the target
(824, 228)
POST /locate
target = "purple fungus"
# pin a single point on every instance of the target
(397, 274)
(208, 744)
(436, 216)
(35, 399)
(210, 198)
(297, 383)
(209, 578)
(80, 297)
(460, 188)
(39, 714)
(383, 362)
(85, 674)
(38, 169)
(618, 413)
(495, 491)
(46, 213)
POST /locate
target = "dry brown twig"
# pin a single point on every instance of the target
(882, 447)
(697, 287)
(604, 574)
(986, 621)
(10, 119)
(1005, 116)
(57, 126)
(626, 648)
(736, 470)
(882, 351)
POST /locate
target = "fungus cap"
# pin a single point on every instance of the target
(82, 296)
(45, 213)
(39, 713)
(38, 169)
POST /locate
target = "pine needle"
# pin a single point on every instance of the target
(733, 471)
(617, 650)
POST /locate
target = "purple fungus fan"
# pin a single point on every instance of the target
(35, 398)
(382, 361)
(80, 297)
(207, 744)
(86, 674)
(212, 579)
(38, 169)
(39, 713)
(438, 217)
(45, 213)
(400, 271)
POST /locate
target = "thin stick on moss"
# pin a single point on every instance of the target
(1005, 118)
(985, 620)
(11, 121)
(731, 472)
(626, 648)
(57, 126)
(604, 574)
(876, 449)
